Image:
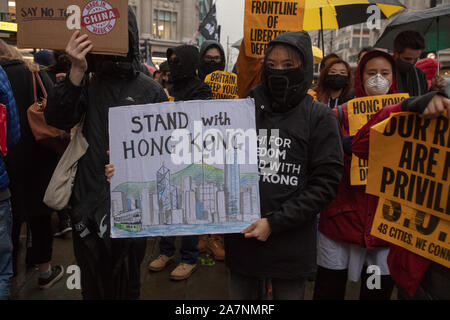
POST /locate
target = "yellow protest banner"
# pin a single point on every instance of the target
(414, 230)
(223, 85)
(264, 20)
(360, 110)
(358, 171)
(409, 162)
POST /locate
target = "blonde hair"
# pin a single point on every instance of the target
(8, 52)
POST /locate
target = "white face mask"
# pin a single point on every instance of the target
(377, 85)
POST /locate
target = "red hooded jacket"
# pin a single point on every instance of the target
(350, 216)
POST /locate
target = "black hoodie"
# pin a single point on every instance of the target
(90, 199)
(186, 84)
(305, 180)
(204, 69)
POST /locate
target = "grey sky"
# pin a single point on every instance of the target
(230, 15)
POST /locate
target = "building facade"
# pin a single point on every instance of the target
(166, 24)
(348, 41)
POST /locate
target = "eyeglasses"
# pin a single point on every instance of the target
(208, 58)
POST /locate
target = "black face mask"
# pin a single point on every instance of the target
(177, 73)
(336, 81)
(403, 66)
(110, 66)
(280, 84)
(207, 67)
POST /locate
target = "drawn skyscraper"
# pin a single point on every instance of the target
(163, 188)
(232, 183)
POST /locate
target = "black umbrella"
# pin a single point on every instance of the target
(335, 14)
(433, 24)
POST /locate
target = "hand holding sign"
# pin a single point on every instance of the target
(436, 106)
(77, 48)
(259, 229)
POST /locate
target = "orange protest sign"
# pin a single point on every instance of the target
(409, 162)
(264, 20)
(360, 110)
(223, 85)
(414, 230)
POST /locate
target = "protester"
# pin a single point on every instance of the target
(335, 83)
(408, 46)
(183, 63)
(415, 276)
(346, 247)
(279, 249)
(29, 179)
(183, 74)
(110, 268)
(332, 56)
(164, 77)
(212, 58)
(57, 73)
(12, 138)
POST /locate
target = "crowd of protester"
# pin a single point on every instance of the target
(279, 252)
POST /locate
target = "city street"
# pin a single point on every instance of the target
(209, 282)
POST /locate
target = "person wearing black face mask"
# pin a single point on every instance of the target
(212, 58)
(279, 249)
(335, 84)
(183, 63)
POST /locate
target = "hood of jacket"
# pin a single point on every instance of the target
(204, 68)
(301, 41)
(359, 87)
(118, 66)
(208, 44)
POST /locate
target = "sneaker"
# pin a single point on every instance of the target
(57, 273)
(160, 263)
(64, 226)
(202, 242)
(183, 271)
(215, 247)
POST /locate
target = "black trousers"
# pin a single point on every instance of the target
(331, 284)
(110, 269)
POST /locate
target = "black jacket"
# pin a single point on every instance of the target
(313, 144)
(411, 79)
(190, 87)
